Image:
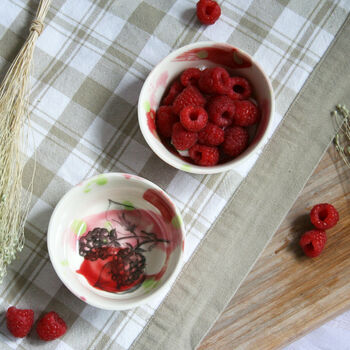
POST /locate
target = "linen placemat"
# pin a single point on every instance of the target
(89, 66)
(255, 211)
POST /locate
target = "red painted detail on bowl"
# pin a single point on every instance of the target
(127, 176)
(83, 298)
(158, 200)
(99, 274)
(226, 56)
(161, 82)
(183, 245)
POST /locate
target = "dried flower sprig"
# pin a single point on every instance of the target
(342, 139)
(14, 103)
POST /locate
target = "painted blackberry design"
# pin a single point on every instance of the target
(121, 265)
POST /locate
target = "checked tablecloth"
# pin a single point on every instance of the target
(89, 66)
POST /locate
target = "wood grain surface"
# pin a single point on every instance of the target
(287, 295)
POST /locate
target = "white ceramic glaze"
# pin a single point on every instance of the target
(91, 197)
(170, 68)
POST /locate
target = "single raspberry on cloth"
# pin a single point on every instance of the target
(51, 326)
(312, 242)
(211, 135)
(193, 118)
(215, 81)
(165, 119)
(221, 110)
(246, 113)
(181, 138)
(190, 76)
(190, 96)
(236, 141)
(208, 11)
(240, 88)
(175, 88)
(19, 321)
(324, 216)
(204, 155)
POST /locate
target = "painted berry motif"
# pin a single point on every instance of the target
(121, 264)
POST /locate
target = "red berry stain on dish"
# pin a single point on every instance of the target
(229, 57)
(114, 260)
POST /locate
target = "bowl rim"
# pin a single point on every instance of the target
(192, 168)
(121, 304)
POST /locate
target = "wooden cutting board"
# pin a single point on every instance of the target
(287, 295)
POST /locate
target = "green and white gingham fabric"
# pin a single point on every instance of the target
(89, 66)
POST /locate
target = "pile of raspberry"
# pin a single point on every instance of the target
(323, 216)
(206, 115)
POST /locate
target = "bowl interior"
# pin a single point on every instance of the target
(145, 221)
(202, 55)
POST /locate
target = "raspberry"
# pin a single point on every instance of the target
(190, 76)
(221, 110)
(312, 242)
(240, 88)
(204, 155)
(19, 322)
(208, 11)
(51, 326)
(181, 138)
(324, 216)
(193, 118)
(211, 135)
(214, 81)
(190, 96)
(246, 113)
(165, 120)
(236, 141)
(175, 88)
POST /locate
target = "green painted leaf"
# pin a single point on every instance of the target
(176, 221)
(108, 225)
(78, 227)
(202, 54)
(237, 58)
(87, 187)
(64, 262)
(147, 106)
(101, 180)
(149, 284)
(128, 205)
(186, 167)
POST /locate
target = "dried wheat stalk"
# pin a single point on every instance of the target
(14, 102)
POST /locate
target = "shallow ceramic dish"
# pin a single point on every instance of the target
(202, 55)
(141, 229)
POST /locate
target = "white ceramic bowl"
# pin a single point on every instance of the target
(144, 217)
(202, 55)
